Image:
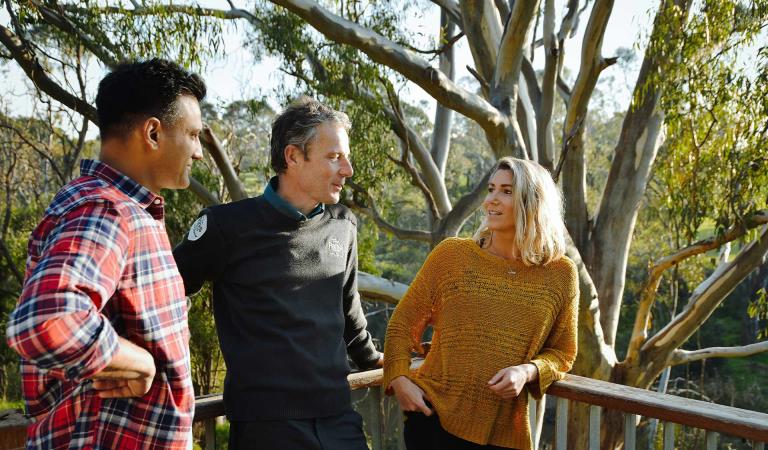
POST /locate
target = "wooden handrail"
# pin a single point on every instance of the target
(695, 413)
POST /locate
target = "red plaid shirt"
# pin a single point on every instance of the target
(100, 266)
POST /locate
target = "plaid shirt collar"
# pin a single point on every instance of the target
(148, 200)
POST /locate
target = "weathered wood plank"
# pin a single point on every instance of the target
(711, 440)
(695, 413)
(374, 403)
(669, 436)
(630, 431)
(561, 424)
(210, 434)
(209, 407)
(594, 427)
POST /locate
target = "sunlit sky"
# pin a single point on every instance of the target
(237, 75)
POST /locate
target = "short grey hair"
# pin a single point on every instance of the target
(297, 125)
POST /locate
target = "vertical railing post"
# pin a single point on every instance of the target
(536, 418)
(561, 424)
(630, 431)
(669, 436)
(711, 440)
(758, 445)
(210, 433)
(594, 427)
(374, 403)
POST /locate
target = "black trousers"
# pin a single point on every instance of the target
(425, 433)
(342, 432)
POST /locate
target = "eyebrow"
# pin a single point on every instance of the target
(502, 185)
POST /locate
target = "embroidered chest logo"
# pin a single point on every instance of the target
(335, 248)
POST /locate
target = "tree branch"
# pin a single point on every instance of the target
(26, 59)
(705, 298)
(452, 223)
(233, 183)
(684, 356)
(440, 50)
(67, 26)
(656, 272)
(205, 196)
(552, 55)
(372, 212)
(503, 94)
(633, 157)
(451, 8)
(405, 143)
(441, 132)
(382, 289)
(484, 28)
(410, 65)
(230, 14)
(4, 123)
(574, 170)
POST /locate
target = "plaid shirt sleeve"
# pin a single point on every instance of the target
(57, 325)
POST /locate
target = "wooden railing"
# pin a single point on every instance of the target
(633, 402)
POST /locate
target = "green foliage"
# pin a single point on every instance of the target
(126, 33)
(758, 310)
(717, 120)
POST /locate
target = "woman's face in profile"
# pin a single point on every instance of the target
(499, 202)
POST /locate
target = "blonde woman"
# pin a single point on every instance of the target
(503, 306)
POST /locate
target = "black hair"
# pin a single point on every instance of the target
(135, 91)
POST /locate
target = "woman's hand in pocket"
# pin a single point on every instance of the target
(409, 396)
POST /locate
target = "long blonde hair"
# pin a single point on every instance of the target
(539, 228)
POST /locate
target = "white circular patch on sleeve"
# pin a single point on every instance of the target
(198, 228)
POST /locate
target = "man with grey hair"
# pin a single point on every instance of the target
(284, 273)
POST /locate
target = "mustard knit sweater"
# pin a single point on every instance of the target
(487, 314)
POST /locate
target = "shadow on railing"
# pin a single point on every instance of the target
(633, 402)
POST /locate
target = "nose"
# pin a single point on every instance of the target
(345, 169)
(197, 154)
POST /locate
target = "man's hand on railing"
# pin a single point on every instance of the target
(509, 382)
(409, 396)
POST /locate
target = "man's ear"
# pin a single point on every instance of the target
(293, 155)
(150, 131)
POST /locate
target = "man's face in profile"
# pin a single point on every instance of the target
(323, 173)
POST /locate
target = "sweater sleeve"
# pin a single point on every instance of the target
(359, 341)
(202, 254)
(559, 351)
(413, 313)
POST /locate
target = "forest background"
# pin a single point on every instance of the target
(661, 149)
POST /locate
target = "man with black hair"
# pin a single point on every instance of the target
(101, 325)
(284, 273)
